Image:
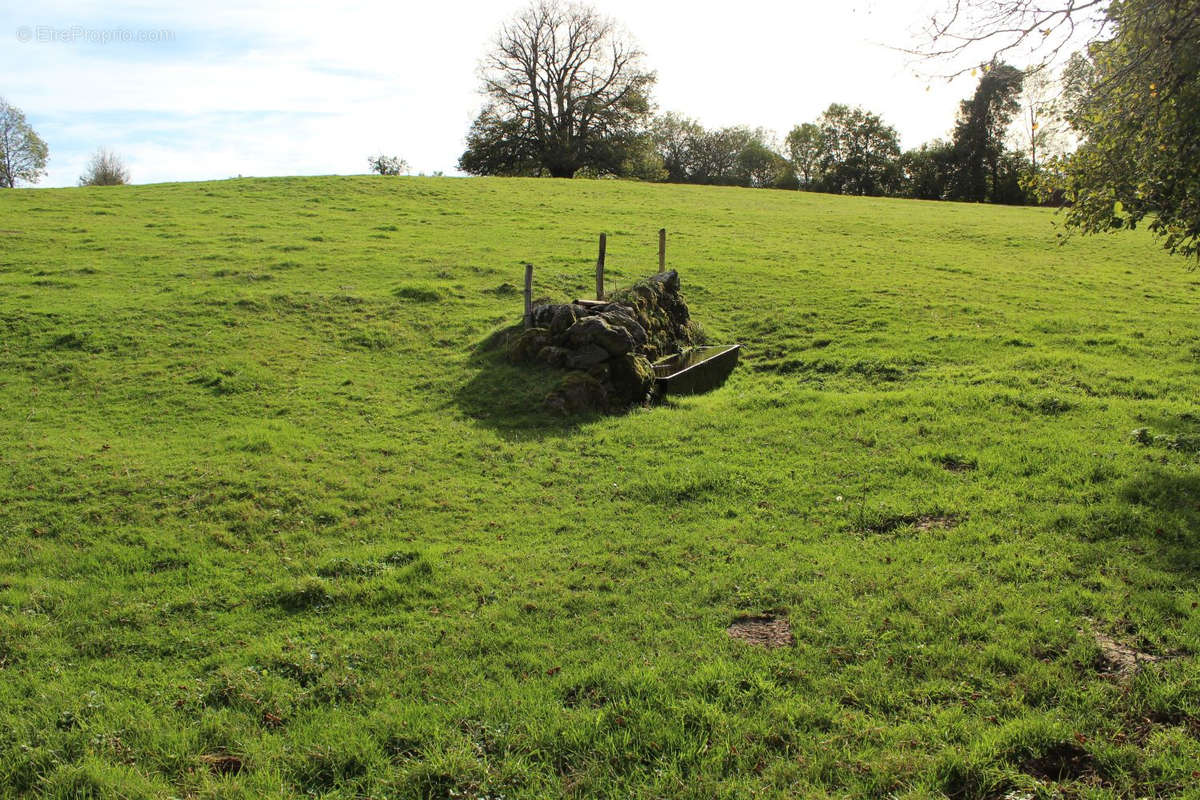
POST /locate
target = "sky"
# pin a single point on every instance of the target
(239, 87)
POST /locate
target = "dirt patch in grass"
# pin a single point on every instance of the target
(767, 631)
(955, 463)
(941, 522)
(1062, 762)
(222, 763)
(1118, 658)
(922, 522)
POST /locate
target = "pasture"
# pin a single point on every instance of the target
(275, 524)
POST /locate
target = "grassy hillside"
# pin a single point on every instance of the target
(273, 524)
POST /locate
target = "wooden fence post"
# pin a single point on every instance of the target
(600, 268)
(528, 294)
(662, 249)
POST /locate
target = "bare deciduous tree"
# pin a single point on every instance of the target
(969, 34)
(566, 89)
(1039, 128)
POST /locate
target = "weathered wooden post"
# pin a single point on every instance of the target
(528, 294)
(600, 268)
(662, 249)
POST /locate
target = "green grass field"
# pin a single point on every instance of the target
(275, 524)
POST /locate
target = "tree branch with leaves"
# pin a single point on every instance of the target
(1133, 96)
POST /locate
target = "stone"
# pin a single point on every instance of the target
(669, 280)
(563, 318)
(541, 316)
(632, 379)
(600, 371)
(621, 317)
(607, 346)
(528, 344)
(596, 330)
(587, 356)
(578, 393)
(658, 307)
(554, 356)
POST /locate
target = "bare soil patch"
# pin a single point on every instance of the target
(1118, 658)
(1062, 762)
(766, 631)
(921, 522)
(941, 522)
(957, 463)
(222, 763)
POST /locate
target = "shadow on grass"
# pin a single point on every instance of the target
(1172, 424)
(509, 398)
(1171, 503)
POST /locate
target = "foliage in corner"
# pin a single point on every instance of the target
(1138, 111)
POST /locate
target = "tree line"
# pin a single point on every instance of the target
(567, 93)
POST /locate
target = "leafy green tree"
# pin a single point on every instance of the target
(499, 146)
(676, 138)
(734, 156)
(980, 131)
(714, 155)
(927, 172)
(758, 165)
(1076, 84)
(565, 90)
(22, 151)
(1138, 116)
(860, 152)
(642, 159)
(806, 148)
(1013, 173)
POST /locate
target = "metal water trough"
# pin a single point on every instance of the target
(695, 370)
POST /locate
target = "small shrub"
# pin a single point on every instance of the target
(1182, 443)
(387, 165)
(956, 463)
(505, 289)
(105, 169)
